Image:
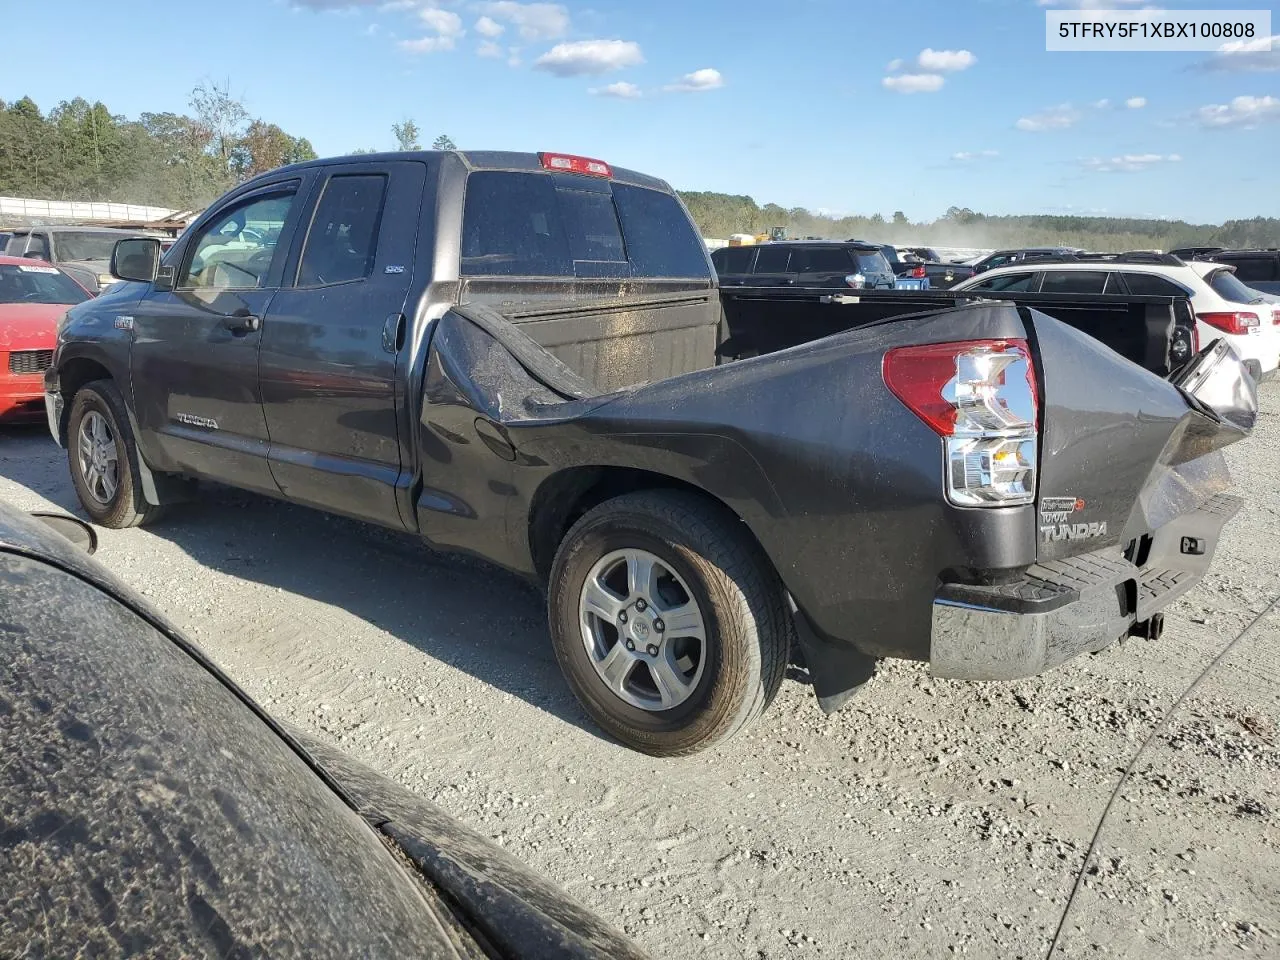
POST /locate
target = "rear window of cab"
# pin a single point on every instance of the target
(561, 225)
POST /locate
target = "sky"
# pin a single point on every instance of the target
(842, 106)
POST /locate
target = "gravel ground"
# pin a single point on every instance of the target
(928, 818)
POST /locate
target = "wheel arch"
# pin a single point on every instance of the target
(73, 374)
(562, 498)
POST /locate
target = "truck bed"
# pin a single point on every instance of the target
(1153, 332)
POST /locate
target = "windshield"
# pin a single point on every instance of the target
(1228, 286)
(84, 246)
(22, 283)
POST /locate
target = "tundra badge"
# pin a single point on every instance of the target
(1054, 514)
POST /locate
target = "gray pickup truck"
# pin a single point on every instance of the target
(520, 356)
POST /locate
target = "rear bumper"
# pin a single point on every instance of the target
(1064, 608)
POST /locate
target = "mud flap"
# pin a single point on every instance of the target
(837, 670)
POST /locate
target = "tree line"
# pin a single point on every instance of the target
(720, 214)
(81, 151)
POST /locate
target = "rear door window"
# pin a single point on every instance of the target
(343, 240)
(1074, 281)
(733, 259)
(661, 240)
(1151, 285)
(772, 259)
(820, 260)
(1009, 282)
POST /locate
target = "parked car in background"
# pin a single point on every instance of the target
(151, 808)
(1224, 307)
(924, 264)
(33, 296)
(82, 252)
(805, 263)
(1003, 258)
(1259, 269)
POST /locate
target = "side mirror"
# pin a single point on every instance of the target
(137, 258)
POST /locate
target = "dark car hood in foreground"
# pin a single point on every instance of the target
(147, 807)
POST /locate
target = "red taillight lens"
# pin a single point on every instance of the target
(1236, 323)
(1275, 317)
(980, 397)
(567, 163)
(918, 272)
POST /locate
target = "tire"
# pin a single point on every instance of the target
(701, 554)
(98, 407)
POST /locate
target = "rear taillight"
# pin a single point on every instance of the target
(980, 397)
(918, 272)
(1237, 323)
(1275, 317)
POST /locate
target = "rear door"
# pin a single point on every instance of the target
(733, 264)
(194, 359)
(333, 341)
(771, 268)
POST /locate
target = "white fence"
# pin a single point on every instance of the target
(17, 208)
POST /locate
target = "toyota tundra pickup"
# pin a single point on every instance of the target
(519, 356)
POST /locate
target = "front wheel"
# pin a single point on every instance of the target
(667, 621)
(101, 454)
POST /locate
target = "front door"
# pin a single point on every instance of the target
(194, 360)
(333, 339)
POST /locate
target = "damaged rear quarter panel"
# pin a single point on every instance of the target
(837, 480)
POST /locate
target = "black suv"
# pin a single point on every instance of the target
(1259, 269)
(804, 263)
(1002, 258)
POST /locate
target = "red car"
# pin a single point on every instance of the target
(33, 297)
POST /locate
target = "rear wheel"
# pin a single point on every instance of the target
(102, 456)
(667, 621)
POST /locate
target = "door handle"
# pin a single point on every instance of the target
(393, 333)
(242, 322)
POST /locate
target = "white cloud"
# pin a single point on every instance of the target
(446, 26)
(533, 21)
(914, 83)
(488, 27)
(1260, 55)
(1247, 112)
(699, 80)
(945, 61)
(621, 90)
(895, 65)
(429, 44)
(1129, 162)
(966, 156)
(1136, 103)
(1060, 117)
(589, 57)
(446, 23)
(488, 48)
(1100, 104)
